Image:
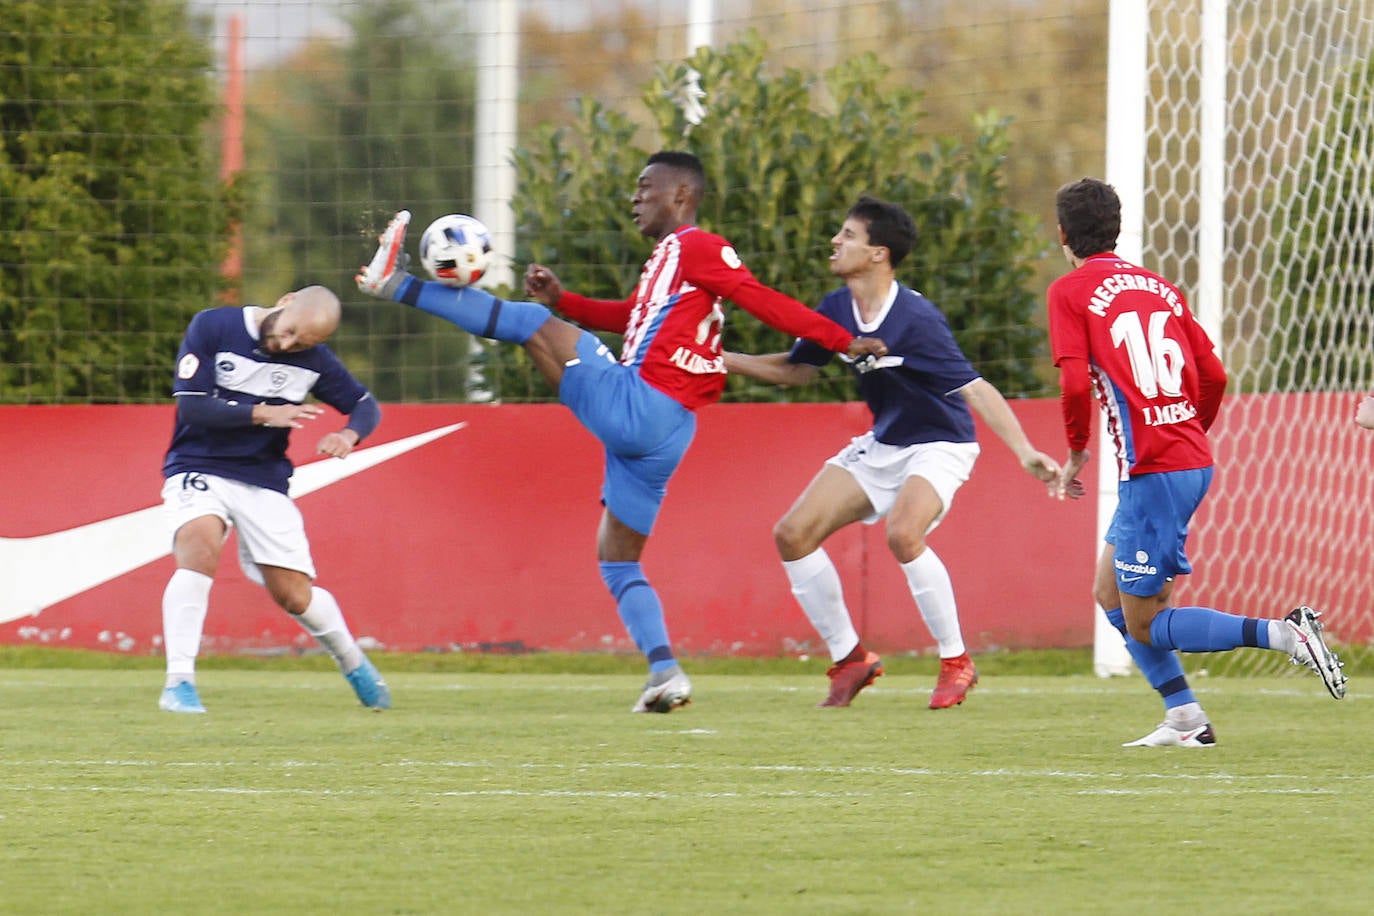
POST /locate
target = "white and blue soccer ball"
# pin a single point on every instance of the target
(456, 249)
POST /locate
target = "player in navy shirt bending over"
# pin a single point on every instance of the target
(641, 407)
(242, 377)
(1127, 335)
(907, 468)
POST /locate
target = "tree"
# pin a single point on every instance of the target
(783, 172)
(115, 221)
(346, 134)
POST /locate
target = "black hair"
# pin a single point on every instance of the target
(683, 161)
(889, 226)
(1089, 212)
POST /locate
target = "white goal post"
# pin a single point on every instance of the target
(1240, 135)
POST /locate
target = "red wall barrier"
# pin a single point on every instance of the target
(485, 537)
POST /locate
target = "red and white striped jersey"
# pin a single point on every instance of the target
(672, 324)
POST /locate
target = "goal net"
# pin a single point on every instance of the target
(1287, 285)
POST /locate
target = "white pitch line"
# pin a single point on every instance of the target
(443, 793)
(571, 793)
(711, 769)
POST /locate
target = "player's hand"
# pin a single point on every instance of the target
(1364, 414)
(285, 416)
(864, 351)
(1067, 485)
(542, 285)
(1073, 489)
(338, 444)
(1042, 466)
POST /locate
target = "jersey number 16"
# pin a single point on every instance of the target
(1156, 359)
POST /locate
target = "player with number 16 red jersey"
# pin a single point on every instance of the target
(1127, 333)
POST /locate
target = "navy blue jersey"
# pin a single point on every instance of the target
(219, 358)
(911, 391)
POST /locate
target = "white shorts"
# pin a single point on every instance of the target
(271, 529)
(881, 469)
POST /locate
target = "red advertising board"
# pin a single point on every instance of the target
(482, 536)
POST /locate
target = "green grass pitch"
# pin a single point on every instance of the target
(524, 792)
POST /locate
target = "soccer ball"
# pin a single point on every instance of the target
(456, 249)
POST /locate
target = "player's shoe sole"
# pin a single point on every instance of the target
(1312, 652)
(381, 275)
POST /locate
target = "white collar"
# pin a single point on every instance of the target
(869, 327)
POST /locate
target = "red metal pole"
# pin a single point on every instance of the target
(231, 148)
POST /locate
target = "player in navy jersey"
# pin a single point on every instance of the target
(1127, 334)
(907, 468)
(242, 377)
(641, 407)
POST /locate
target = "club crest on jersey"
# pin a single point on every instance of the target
(188, 366)
(731, 258)
(279, 378)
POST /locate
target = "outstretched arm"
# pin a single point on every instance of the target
(773, 368)
(782, 312)
(543, 286)
(988, 402)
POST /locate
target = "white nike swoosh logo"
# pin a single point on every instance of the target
(65, 563)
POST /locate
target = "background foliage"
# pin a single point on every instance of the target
(113, 215)
(116, 216)
(355, 130)
(114, 207)
(784, 166)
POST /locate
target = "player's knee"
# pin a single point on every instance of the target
(792, 540)
(905, 545)
(1107, 598)
(1138, 631)
(293, 602)
(201, 557)
(292, 595)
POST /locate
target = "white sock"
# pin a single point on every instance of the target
(1186, 717)
(185, 601)
(1281, 636)
(934, 594)
(325, 621)
(816, 583)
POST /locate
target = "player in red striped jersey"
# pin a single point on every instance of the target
(641, 406)
(1127, 334)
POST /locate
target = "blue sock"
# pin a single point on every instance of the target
(1161, 667)
(475, 310)
(1202, 629)
(640, 611)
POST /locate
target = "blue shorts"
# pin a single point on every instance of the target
(1150, 528)
(644, 431)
